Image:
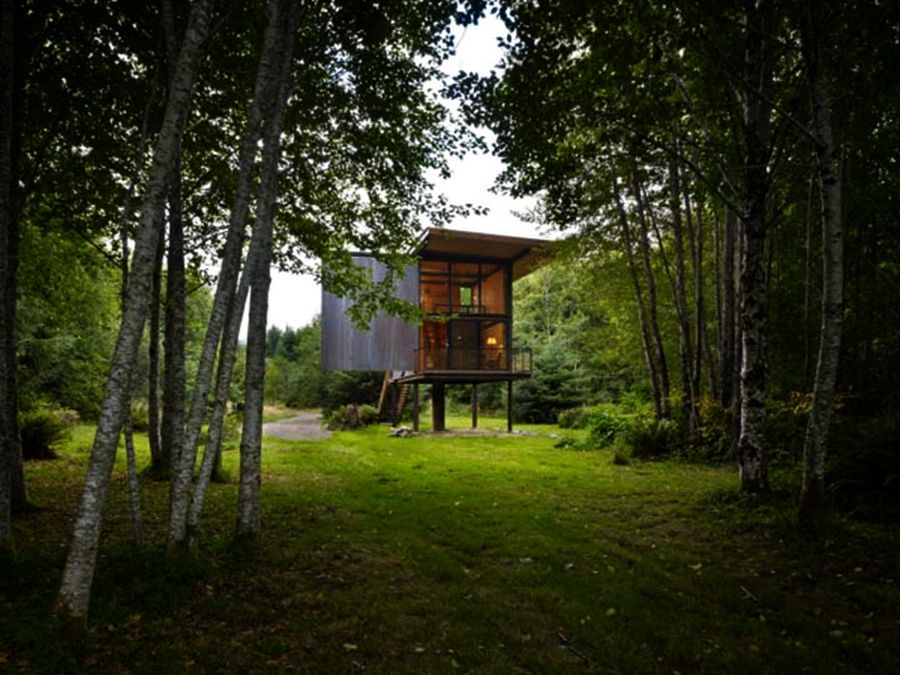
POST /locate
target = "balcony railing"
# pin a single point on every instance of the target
(460, 310)
(473, 358)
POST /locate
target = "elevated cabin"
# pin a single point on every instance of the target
(463, 282)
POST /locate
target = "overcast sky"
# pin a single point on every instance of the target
(294, 299)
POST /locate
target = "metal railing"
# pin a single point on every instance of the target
(460, 310)
(516, 360)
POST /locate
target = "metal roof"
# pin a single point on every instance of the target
(525, 254)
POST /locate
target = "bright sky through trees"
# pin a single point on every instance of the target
(294, 300)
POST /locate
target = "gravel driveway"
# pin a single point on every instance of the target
(307, 426)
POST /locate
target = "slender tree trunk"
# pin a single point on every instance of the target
(729, 287)
(225, 289)
(644, 246)
(8, 432)
(128, 427)
(716, 369)
(213, 454)
(13, 83)
(696, 361)
(812, 494)
(684, 329)
(807, 283)
(174, 383)
(134, 490)
(260, 260)
(752, 458)
(153, 352)
(639, 296)
(74, 594)
(704, 344)
(738, 357)
(124, 234)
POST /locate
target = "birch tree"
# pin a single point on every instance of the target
(755, 96)
(183, 463)
(213, 452)
(127, 423)
(259, 262)
(74, 594)
(172, 433)
(812, 493)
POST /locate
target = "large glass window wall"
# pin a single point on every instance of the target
(463, 288)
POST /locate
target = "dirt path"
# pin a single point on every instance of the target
(307, 426)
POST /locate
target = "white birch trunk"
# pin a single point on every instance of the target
(134, 488)
(182, 470)
(752, 457)
(153, 347)
(216, 423)
(127, 425)
(172, 431)
(74, 594)
(248, 512)
(812, 494)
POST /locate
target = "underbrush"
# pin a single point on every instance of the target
(863, 470)
(352, 416)
(43, 430)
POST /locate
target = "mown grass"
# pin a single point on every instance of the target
(459, 553)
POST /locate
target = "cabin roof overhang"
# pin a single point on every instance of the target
(524, 254)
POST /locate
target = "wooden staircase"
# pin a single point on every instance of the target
(386, 398)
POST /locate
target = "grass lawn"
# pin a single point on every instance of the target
(459, 553)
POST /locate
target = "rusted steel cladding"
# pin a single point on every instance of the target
(389, 344)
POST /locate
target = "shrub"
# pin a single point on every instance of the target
(634, 401)
(352, 417)
(140, 416)
(863, 467)
(650, 438)
(368, 414)
(344, 387)
(231, 430)
(714, 442)
(786, 428)
(67, 416)
(618, 457)
(40, 430)
(603, 426)
(572, 418)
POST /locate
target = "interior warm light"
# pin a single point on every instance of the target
(491, 342)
